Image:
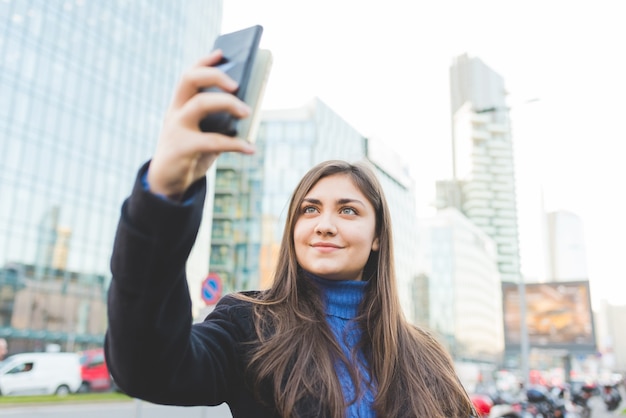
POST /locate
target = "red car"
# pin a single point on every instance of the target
(94, 371)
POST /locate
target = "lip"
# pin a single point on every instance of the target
(323, 245)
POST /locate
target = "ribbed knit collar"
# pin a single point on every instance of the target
(342, 298)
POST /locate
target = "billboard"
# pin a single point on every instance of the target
(558, 315)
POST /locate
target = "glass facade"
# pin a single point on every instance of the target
(236, 228)
(83, 88)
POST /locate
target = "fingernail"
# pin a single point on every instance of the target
(231, 84)
(244, 109)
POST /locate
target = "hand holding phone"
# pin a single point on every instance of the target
(249, 67)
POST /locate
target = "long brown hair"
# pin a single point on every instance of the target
(411, 373)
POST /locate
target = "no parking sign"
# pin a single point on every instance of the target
(211, 289)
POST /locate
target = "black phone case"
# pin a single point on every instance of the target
(239, 52)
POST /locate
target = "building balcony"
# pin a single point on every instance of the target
(225, 215)
(223, 190)
(504, 195)
(499, 128)
(504, 157)
(480, 135)
(505, 222)
(471, 204)
(481, 212)
(476, 185)
(506, 213)
(222, 240)
(481, 194)
(507, 231)
(229, 161)
(222, 265)
(482, 160)
(502, 186)
(501, 168)
(503, 204)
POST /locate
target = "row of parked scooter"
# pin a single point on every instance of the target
(543, 402)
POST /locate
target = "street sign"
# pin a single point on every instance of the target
(211, 289)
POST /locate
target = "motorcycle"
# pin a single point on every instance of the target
(581, 400)
(611, 397)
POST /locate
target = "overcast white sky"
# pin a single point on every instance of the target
(383, 66)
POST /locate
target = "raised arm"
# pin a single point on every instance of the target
(152, 349)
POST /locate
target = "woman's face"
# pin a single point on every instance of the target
(335, 231)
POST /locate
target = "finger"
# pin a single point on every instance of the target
(198, 77)
(217, 143)
(210, 60)
(201, 104)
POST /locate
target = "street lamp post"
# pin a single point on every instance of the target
(523, 341)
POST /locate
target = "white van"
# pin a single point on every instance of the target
(40, 374)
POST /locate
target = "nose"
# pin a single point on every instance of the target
(325, 226)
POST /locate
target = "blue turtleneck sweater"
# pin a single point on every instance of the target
(342, 299)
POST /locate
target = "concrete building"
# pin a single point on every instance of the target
(483, 183)
(465, 296)
(566, 255)
(611, 337)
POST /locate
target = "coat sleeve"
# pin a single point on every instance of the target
(152, 349)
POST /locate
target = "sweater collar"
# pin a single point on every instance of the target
(341, 297)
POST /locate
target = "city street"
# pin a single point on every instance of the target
(133, 409)
(140, 409)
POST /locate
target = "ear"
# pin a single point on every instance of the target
(375, 244)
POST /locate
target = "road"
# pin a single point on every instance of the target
(140, 409)
(132, 409)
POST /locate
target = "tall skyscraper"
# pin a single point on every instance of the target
(84, 85)
(483, 183)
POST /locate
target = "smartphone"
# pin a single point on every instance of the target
(240, 51)
(247, 128)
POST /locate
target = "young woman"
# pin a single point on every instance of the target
(328, 339)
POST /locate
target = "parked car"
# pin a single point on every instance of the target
(94, 371)
(40, 374)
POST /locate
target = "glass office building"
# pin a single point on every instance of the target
(83, 88)
(236, 225)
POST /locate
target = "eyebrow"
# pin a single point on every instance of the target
(343, 201)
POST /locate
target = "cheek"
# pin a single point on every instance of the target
(300, 236)
(300, 243)
(299, 232)
(366, 236)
